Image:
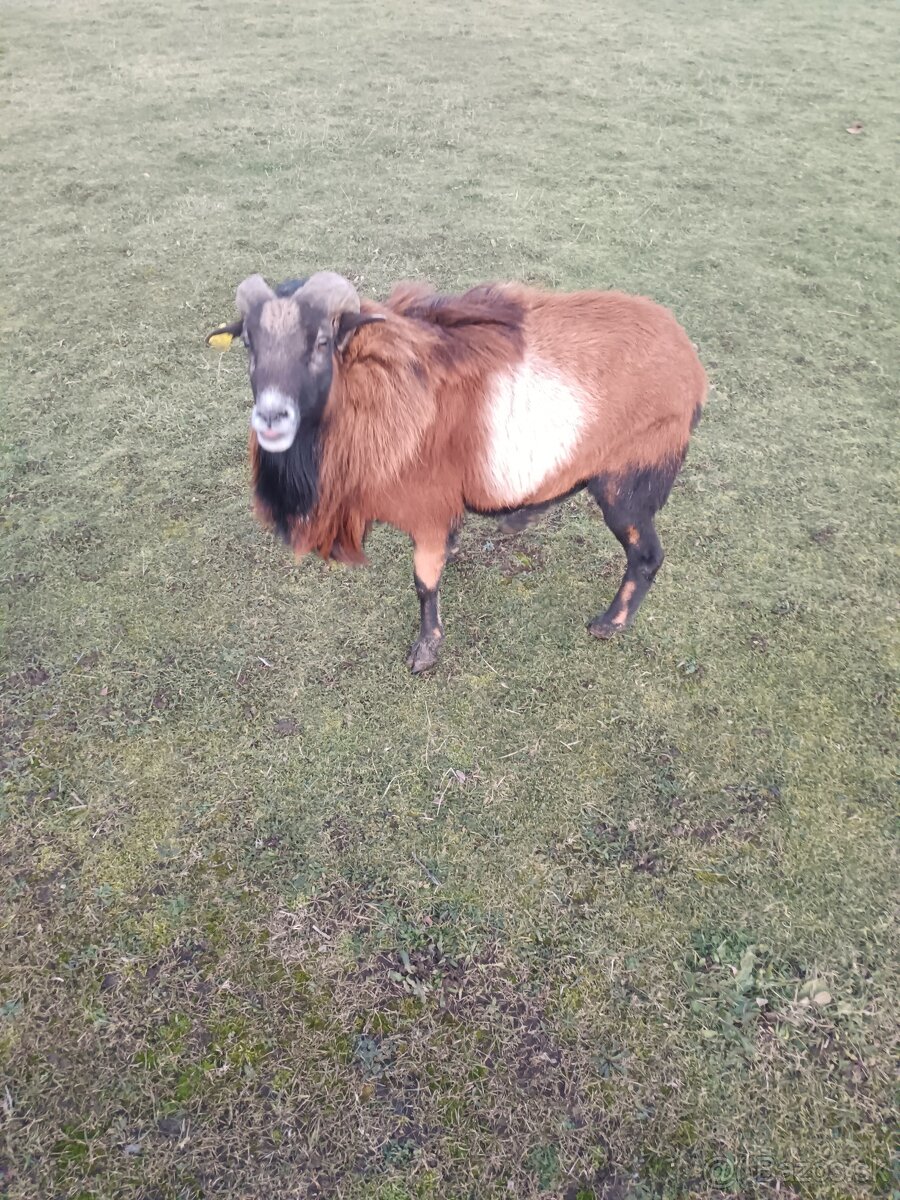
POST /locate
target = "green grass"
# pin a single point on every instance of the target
(561, 919)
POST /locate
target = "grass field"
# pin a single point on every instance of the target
(561, 919)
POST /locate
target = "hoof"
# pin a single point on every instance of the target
(604, 629)
(423, 654)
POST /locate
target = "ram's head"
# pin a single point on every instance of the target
(293, 337)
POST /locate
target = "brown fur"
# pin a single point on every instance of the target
(404, 437)
(428, 562)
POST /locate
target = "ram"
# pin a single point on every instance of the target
(501, 400)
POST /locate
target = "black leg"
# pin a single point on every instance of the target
(629, 508)
(429, 609)
(428, 557)
(452, 552)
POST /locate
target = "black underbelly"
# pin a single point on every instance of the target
(544, 504)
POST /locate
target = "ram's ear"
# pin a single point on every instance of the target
(222, 337)
(348, 324)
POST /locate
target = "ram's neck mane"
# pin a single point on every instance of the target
(388, 389)
(489, 306)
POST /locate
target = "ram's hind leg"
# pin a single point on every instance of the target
(629, 504)
(521, 518)
(452, 552)
(518, 519)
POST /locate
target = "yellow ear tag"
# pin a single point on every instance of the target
(221, 341)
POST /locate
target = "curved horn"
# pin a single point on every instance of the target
(254, 290)
(332, 291)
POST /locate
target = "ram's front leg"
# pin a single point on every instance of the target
(429, 556)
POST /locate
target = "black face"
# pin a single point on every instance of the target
(291, 349)
(294, 344)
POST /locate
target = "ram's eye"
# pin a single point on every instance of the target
(321, 342)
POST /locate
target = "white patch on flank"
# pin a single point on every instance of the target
(535, 419)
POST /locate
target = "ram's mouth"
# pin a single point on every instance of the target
(275, 441)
